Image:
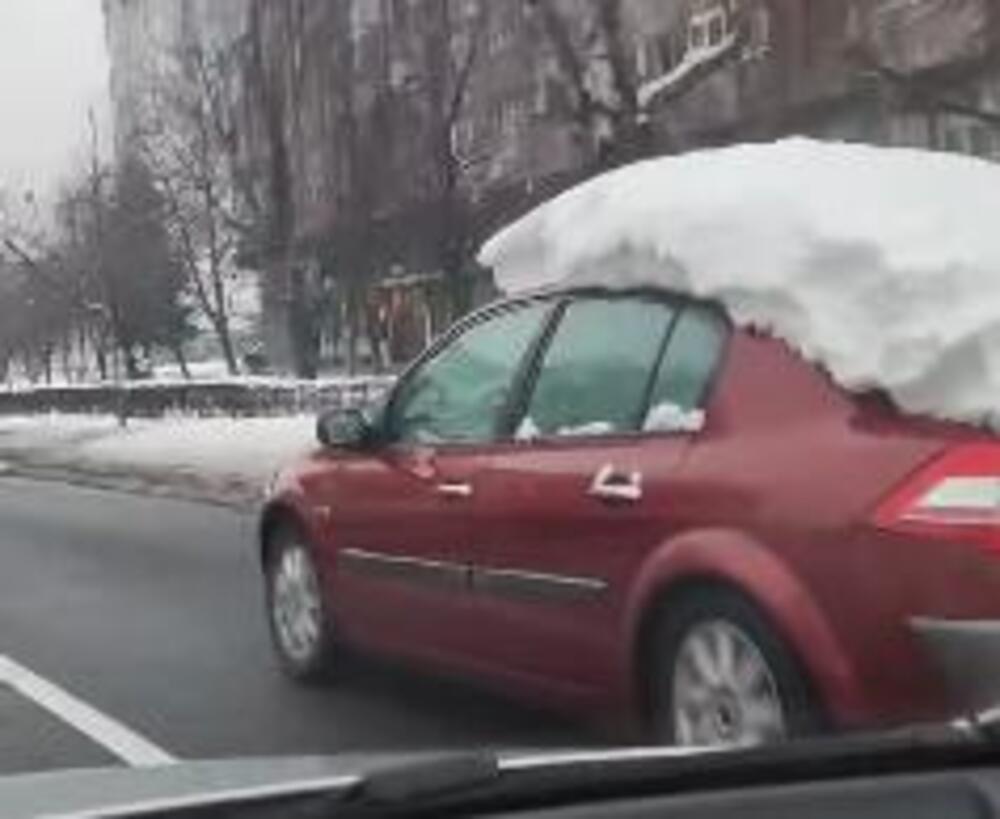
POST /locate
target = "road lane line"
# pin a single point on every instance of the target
(118, 739)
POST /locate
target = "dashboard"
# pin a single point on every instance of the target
(971, 794)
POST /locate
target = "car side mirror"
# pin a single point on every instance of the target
(344, 429)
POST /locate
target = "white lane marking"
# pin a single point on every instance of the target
(112, 735)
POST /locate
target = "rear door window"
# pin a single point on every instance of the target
(595, 376)
(686, 371)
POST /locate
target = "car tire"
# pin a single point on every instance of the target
(298, 616)
(723, 677)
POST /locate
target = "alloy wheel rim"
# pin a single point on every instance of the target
(724, 692)
(296, 606)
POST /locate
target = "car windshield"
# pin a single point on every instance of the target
(445, 375)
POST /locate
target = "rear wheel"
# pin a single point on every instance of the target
(300, 626)
(723, 678)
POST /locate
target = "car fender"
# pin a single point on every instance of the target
(288, 499)
(735, 559)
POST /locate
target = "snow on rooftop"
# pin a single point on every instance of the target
(882, 264)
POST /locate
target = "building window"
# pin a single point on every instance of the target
(400, 9)
(760, 28)
(463, 134)
(667, 52)
(696, 38)
(643, 59)
(953, 140)
(511, 114)
(470, 9)
(716, 30)
(550, 96)
(980, 140)
(708, 28)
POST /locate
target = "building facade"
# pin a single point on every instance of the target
(404, 131)
(145, 41)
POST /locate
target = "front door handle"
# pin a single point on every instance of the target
(612, 485)
(454, 490)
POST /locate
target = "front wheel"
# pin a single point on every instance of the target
(724, 678)
(300, 626)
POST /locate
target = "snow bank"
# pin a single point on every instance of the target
(881, 264)
(31, 433)
(248, 449)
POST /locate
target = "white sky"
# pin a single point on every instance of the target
(53, 68)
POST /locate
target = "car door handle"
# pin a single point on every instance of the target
(454, 490)
(611, 485)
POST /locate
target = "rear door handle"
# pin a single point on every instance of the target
(454, 490)
(611, 485)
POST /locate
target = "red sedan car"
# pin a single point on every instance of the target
(620, 502)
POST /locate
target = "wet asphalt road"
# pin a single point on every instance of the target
(149, 611)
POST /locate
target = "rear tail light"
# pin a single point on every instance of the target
(956, 497)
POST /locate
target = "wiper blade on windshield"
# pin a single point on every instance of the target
(427, 781)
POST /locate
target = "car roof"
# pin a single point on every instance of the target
(579, 290)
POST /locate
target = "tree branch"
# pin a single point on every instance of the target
(571, 66)
(917, 93)
(622, 72)
(463, 74)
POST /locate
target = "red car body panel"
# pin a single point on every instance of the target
(773, 498)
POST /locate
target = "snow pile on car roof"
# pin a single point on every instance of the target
(881, 264)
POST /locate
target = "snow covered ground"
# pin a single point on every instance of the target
(223, 458)
(206, 456)
(881, 264)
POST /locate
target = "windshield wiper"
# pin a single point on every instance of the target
(485, 782)
(460, 784)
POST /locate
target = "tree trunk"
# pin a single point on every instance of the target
(131, 365)
(101, 359)
(177, 350)
(302, 330)
(66, 358)
(353, 312)
(220, 322)
(375, 340)
(47, 364)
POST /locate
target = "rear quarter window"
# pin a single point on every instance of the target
(689, 363)
(595, 373)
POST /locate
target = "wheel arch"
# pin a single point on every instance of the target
(735, 562)
(274, 516)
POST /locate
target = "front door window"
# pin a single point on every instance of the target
(459, 396)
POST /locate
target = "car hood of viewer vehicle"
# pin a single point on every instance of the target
(108, 792)
(124, 791)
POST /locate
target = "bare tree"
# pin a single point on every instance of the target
(186, 142)
(450, 54)
(147, 278)
(274, 80)
(111, 259)
(363, 137)
(933, 92)
(607, 104)
(35, 309)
